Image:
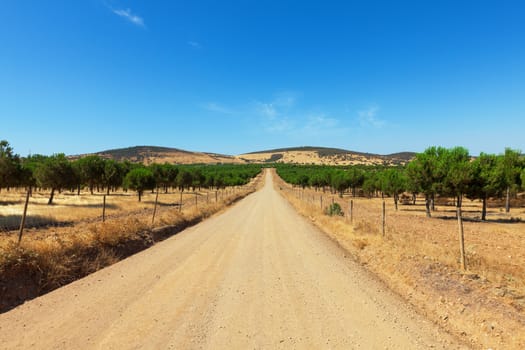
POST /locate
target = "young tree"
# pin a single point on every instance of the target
(393, 183)
(423, 174)
(509, 164)
(139, 179)
(455, 172)
(487, 180)
(91, 171)
(184, 180)
(55, 172)
(355, 178)
(9, 166)
(113, 175)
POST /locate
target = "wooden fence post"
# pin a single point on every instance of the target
(351, 211)
(155, 206)
(23, 222)
(383, 219)
(180, 202)
(104, 209)
(321, 197)
(196, 199)
(461, 240)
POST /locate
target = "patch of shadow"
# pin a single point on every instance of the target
(12, 222)
(274, 158)
(9, 202)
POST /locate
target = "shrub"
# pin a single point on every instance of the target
(334, 209)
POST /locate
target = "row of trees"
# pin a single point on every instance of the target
(58, 173)
(438, 171)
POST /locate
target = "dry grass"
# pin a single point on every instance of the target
(52, 256)
(419, 259)
(312, 157)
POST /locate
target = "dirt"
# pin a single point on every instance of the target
(257, 276)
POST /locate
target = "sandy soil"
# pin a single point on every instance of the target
(312, 157)
(257, 276)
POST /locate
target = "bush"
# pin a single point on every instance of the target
(334, 209)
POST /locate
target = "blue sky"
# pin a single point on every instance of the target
(239, 76)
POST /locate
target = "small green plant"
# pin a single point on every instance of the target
(334, 210)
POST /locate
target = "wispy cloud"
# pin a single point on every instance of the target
(128, 15)
(218, 108)
(368, 117)
(195, 44)
(266, 110)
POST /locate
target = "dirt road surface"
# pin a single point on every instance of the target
(258, 276)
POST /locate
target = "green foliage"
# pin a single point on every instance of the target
(334, 210)
(55, 172)
(91, 171)
(140, 179)
(10, 169)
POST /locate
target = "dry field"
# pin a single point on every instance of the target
(312, 157)
(68, 240)
(419, 259)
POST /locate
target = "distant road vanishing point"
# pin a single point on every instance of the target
(257, 276)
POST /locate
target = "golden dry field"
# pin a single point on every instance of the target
(419, 258)
(317, 158)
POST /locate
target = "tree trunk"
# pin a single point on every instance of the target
(432, 203)
(484, 209)
(507, 201)
(140, 195)
(396, 197)
(50, 201)
(427, 205)
(91, 189)
(414, 197)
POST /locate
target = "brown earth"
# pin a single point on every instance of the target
(257, 276)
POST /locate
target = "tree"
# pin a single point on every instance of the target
(140, 179)
(423, 174)
(509, 164)
(55, 172)
(393, 183)
(184, 180)
(113, 174)
(340, 182)
(523, 179)
(9, 166)
(487, 180)
(303, 181)
(455, 172)
(355, 178)
(91, 171)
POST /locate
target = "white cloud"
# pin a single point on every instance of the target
(368, 117)
(267, 110)
(137, 20)
(195, 44)
(218, 108)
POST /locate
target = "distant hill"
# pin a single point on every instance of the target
(298, 155)
(326, 156)
(153, 154)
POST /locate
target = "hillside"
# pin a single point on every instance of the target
(153, 154)
(325, 156)
(297, 155)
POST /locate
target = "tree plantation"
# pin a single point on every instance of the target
(58, 173)
(438, 171)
